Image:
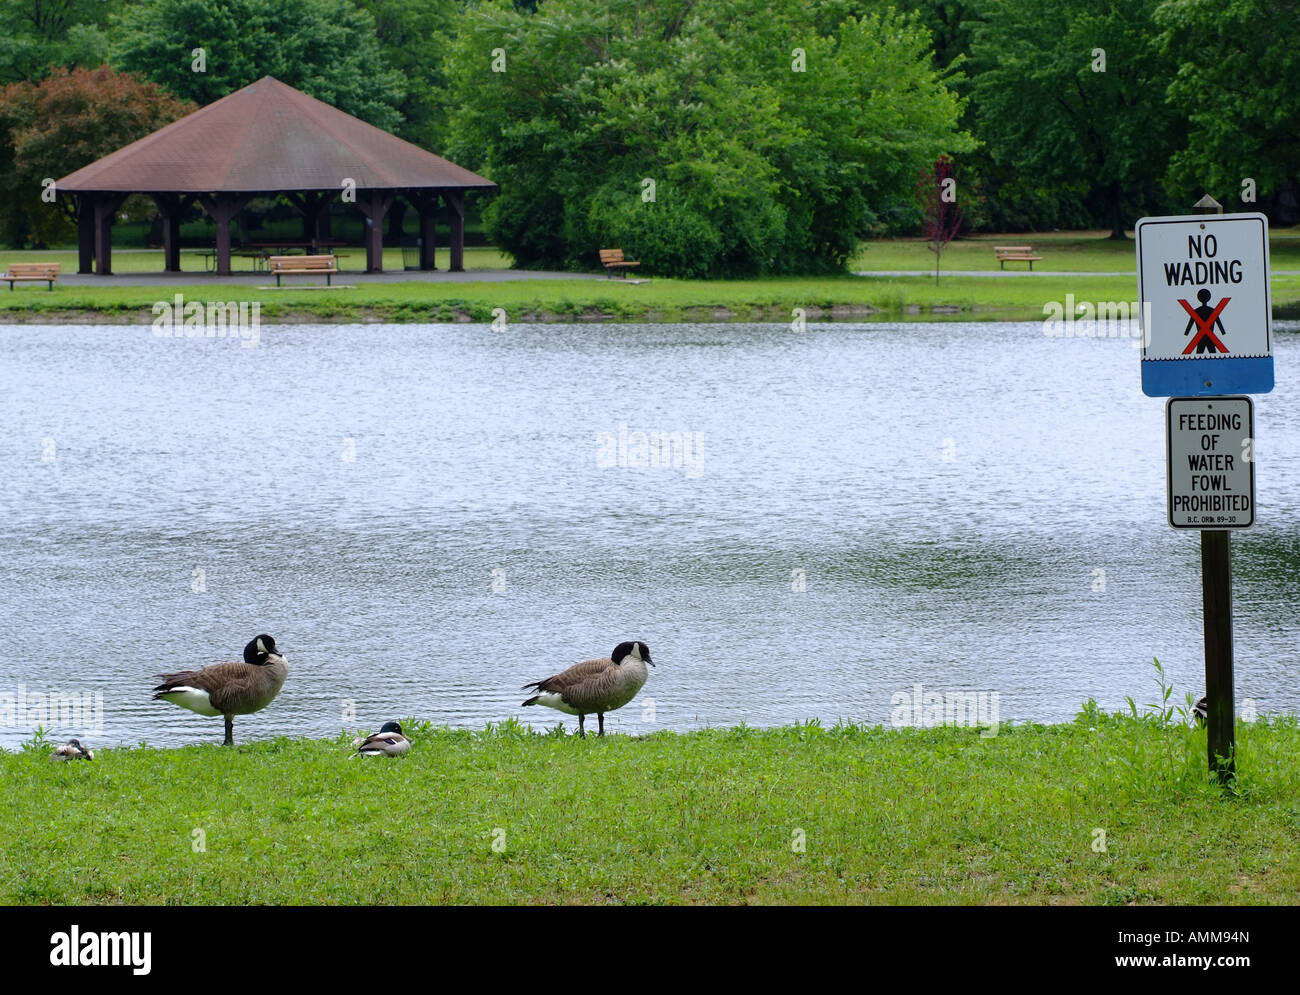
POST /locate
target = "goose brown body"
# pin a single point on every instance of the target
(597, 686)
(239, 687)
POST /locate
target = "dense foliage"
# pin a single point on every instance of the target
(1238, 85)
(736, 136)
(1072, 97)
(67, 120)
(708, 138)
(326, 48)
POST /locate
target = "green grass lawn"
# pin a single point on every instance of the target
(660, 299)
(1085, 252)
(1106, 810)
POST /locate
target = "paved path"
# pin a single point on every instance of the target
(1009, 273)
(485, 276)
(987, 272)
(345, 278)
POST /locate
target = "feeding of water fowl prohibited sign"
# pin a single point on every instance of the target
(1207, 317)
(1211, 448)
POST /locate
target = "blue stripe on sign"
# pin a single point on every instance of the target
(1207, 377)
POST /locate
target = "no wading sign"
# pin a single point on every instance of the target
(1207, 318)
(1211, 443)
(1207, 332)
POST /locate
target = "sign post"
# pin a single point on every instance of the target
(1210, 446)
(1207, 332)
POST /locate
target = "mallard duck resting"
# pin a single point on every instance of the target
(387, 742)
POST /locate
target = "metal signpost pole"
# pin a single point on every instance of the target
(1216, 607)
(1222, 262)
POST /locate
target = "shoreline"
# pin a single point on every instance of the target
(367, 315)
(694, 314)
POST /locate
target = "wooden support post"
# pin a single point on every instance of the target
(396, 221)
(456, 206)
(312, 204)
(222, 208)
(106, 206)
(170, 207)
(1216, 599)
(1216, 605)
(425, 203)
(86, 233)
(374, 204)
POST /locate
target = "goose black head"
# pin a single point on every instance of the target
(392, 727)
(637, 650)
(258, 649)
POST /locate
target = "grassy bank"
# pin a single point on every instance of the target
(886, 816)
(1018, 297)
(579, 299)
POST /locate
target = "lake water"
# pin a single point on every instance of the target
(425, 519)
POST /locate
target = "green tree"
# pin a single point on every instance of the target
(413, 38)
(705, 137)
(951, 24)
(326, 48)
(1238, 83)
(51, 128)
(41, 34)
(1071, 97)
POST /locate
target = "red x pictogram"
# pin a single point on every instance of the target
(1205, 326)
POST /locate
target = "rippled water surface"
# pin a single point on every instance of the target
(966, 507)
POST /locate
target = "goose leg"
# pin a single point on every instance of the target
(601, 717)
(230, 731)
(581, 731)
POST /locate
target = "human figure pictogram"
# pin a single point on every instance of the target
(1204, 318)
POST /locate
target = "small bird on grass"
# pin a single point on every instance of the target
(1201, 710)
(73, 750)
(598, 686)
(387, 742)
(229, 689)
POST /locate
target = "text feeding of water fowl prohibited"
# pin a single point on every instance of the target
(1211, 443)
(1204, 282)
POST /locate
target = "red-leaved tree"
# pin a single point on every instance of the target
(51, 128)
(936, 194)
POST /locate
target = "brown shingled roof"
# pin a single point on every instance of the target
(268, 137)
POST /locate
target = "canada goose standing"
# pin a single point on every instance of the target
(229, 689)
(598, 686)
(73, 750)
(387, 742)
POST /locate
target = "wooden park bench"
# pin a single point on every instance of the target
(1014, 254)
(302, 265)
(24, 272)
(614, 262)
